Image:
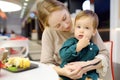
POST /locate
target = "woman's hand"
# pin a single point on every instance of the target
(76, 69)
(80, 68)
(71, 71)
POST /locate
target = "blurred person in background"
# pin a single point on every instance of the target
(2, 14)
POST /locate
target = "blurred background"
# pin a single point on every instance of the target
(24, 21)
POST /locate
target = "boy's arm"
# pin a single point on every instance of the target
(68, 50)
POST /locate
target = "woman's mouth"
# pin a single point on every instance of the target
(68, 28)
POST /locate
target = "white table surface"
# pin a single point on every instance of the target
(43, 72)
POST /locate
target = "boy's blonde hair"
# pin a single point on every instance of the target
(46, 7)
(88, 13)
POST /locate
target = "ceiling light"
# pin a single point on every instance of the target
(6, 6)
(25, 4)
(26, 0)
(86, 5)
(117, 29)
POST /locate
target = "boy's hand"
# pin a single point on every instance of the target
(82, 43)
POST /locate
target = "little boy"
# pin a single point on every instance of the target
(80, 47)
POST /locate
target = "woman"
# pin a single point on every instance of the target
(57, 22)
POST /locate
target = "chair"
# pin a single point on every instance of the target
(110, 73)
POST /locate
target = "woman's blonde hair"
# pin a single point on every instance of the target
(46, 7)
(91, 14)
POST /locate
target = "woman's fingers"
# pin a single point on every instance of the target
(77, 70)
(79, 74)
(72, 73)
(75, 74)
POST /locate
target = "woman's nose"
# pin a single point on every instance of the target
(65, 25)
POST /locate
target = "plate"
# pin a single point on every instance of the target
(32, 66)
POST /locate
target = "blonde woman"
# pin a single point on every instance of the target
(57, 22)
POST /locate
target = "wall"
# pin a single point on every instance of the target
(115, 29)
(13, 22)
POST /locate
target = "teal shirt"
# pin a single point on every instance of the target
(68, 54)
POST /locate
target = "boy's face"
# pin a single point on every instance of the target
(84, 28)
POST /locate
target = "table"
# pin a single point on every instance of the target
(43, 72)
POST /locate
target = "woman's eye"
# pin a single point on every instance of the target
(57, 26)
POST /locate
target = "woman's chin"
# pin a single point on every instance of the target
(68, 29)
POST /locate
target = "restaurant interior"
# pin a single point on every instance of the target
(25, 23)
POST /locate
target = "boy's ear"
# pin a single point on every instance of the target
(94, 32)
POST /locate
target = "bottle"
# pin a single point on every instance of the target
(5, 55)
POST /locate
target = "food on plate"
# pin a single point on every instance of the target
(13, 63)
(2, 65)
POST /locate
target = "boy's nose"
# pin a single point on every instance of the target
(81, 30)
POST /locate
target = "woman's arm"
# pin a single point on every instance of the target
(65, 71)
(97, 64)
(103, 54)
(80, 68)
(47, 50)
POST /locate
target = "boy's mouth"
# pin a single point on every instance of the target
(80, 36)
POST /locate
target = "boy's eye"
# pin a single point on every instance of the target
(78, 26)
(86, 27)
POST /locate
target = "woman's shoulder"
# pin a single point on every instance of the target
(48, 30)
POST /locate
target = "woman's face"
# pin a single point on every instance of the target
(60, 20)
(84, 28)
